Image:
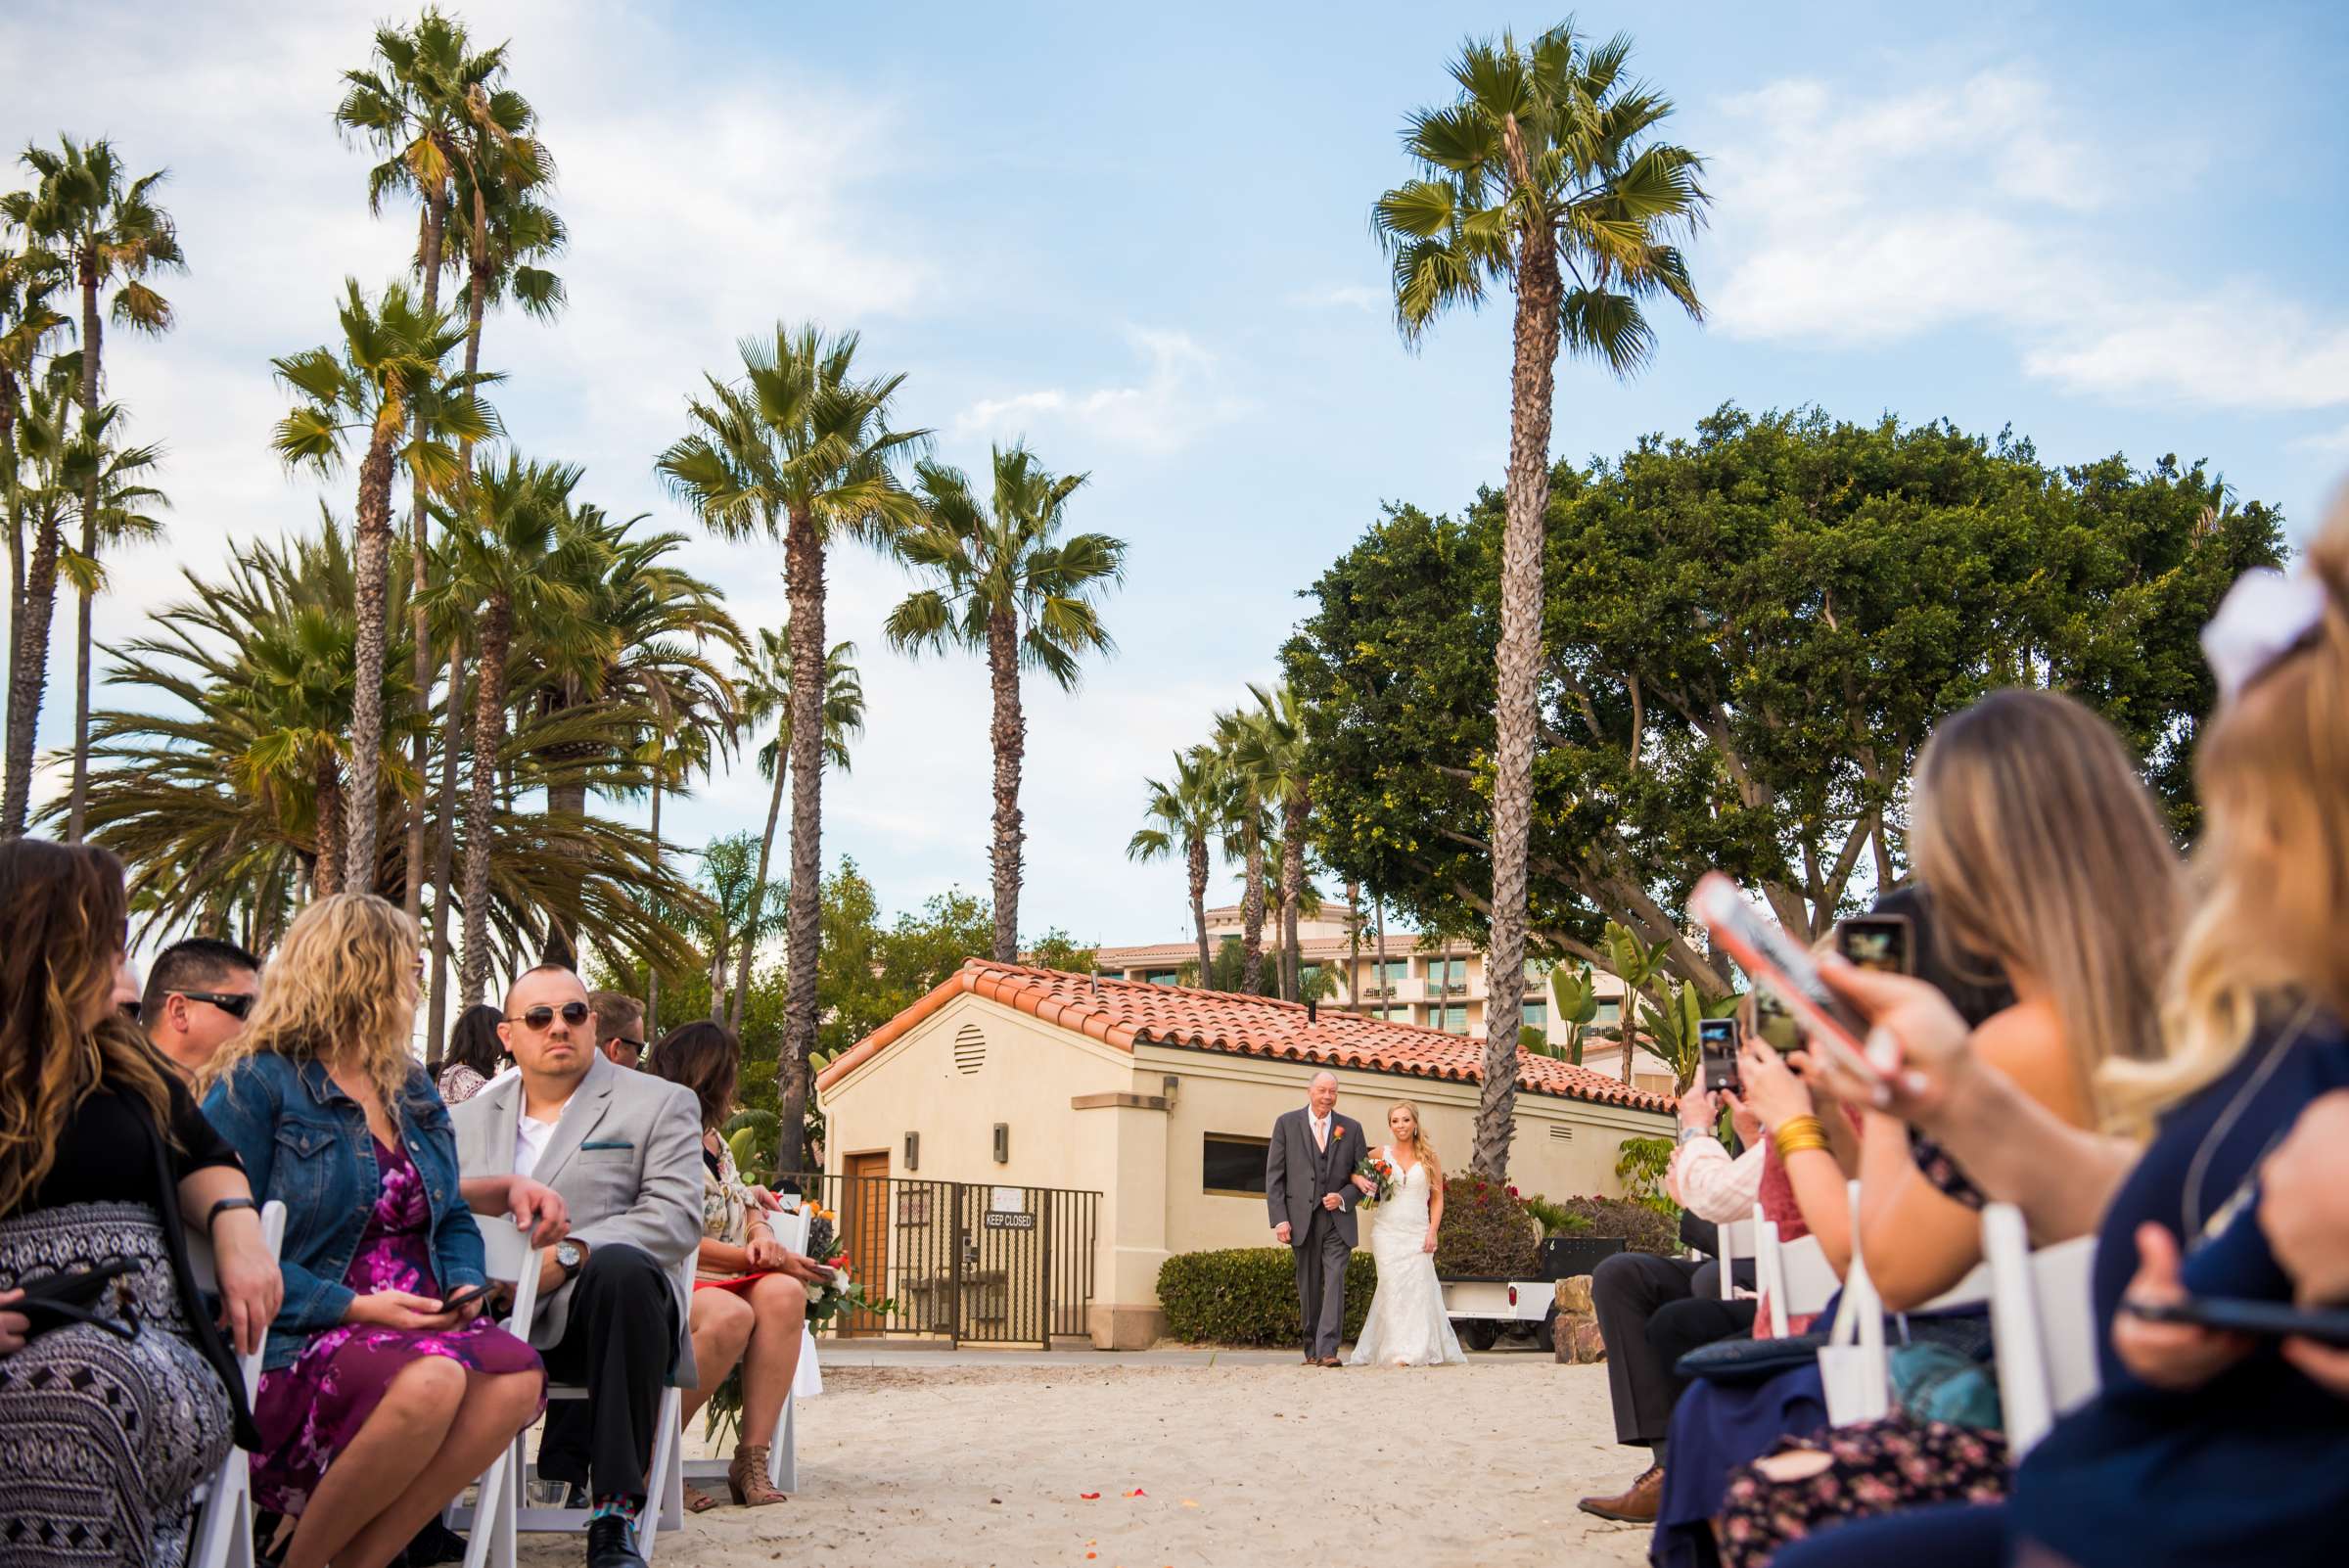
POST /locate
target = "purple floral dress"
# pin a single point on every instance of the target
(309, 1411)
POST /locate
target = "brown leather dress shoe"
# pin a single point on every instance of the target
(1637, 1505)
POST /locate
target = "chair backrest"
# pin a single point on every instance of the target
(1855, 1366)
(208, 1278)
(1805, 1280)
(2042, 1323)
(792, 1229)
(509, 1259)
(1736, 1239)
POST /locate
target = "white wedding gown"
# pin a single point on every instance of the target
(1406, 1325)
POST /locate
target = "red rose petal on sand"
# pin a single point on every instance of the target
(1089, 1496)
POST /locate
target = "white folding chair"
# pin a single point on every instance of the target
(501, 1509)
(1853, 1366)
(783, 1457)
(2042, 1323)
(224, 1527)
(1735, 1238)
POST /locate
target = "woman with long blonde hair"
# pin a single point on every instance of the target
(384, 1391)
(2201, 1448)
(1406, 1325)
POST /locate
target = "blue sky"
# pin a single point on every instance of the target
(1140, 241)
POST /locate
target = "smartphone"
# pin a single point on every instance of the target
(1716, 1041)
(1784, 967)
(1774, 1026)
(464, 1298)
(1877, 942)
(2268, 1320)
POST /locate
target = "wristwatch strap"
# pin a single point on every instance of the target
(212, 1216)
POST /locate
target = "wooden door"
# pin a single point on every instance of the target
(864, 1210)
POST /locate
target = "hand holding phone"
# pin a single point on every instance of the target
(1786, 970)
(2262, 1319)
(1884, 942)
(464, 1298)
(1718, 1043)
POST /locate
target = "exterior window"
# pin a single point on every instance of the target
(1610, 1010)
(1232, 1166)
(1394, 972)
(1535, 1015)
(1447, 976)
(1397, 1015)
(1162, 977)
(1453, 1020)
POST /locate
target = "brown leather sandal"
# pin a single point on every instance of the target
(746, 1479)
(697, 1501)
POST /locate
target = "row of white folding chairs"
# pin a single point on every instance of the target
(224, 1522)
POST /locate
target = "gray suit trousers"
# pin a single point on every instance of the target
(1322, 1254)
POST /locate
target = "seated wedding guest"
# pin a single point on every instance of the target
(2030, 824)
(619, 1026)
(378, 1403)
(2190, 1452)
(475, 1053)
(1652, 1310)
(197, 999)
(749, 1305)
(122, 1399)
(124, 998)
(624, 1151)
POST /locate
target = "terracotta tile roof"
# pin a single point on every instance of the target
(1124, 1013)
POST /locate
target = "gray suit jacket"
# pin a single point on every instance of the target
(626, 1157)
(1297, 1174)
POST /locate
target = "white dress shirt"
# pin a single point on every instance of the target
(529, 1139)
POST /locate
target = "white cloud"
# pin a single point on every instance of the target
(2323, 442)
(1181, 395)
(1342, 297)
(1978, 205)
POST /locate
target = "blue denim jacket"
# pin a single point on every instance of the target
(304, 1143)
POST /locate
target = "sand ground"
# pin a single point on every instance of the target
(1236, 1462)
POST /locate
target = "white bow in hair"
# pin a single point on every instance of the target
(2264, 616)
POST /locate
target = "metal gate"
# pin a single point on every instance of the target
(971, 1264)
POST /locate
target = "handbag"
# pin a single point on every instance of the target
(53, 1301)
(1741, 1362)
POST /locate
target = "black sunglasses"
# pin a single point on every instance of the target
(574, 1013)
(237, 1004)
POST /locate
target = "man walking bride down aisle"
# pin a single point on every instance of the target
(1313, 1185)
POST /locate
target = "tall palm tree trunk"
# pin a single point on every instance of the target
(1353, 946)
(327, 799)
(1530, 376)
(766, 847)
(481, 806)
(1197, 848)
(30, 673)
(412, 871)
(373, 562)
(15, 570)
(444, 855)
(1007, 732)
(804, 569)
(1252, 912)
(77, 808)
(1293, 814)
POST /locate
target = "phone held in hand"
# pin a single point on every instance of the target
(1774, 1026)
(1786, 968)
(1883, 942)
(1718, 1039)
(2264, 1320)
(464, 1298)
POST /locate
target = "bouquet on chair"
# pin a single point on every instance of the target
(1381, 1174)
(828, 1299)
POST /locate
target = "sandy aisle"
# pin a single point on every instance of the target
(1248, 1464)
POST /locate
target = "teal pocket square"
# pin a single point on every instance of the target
(592, 1144)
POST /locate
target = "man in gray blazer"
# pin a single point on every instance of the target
(1311, 1191)
(623, 1150)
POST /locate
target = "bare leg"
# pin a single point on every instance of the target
(780, 1303)
(721, 1323)
(392, 1448)
(494, 1409)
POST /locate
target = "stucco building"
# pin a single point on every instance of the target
(1160, 1099)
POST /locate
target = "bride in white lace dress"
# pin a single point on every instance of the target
(1406, 1325)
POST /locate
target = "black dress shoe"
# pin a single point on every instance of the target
(612, 1542)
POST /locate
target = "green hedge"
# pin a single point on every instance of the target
(1248, 1296)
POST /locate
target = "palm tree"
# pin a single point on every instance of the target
(800, 447)
(107, 230)
(44, 437)
(1540, 177)
(512, 555)
(1245, 832)
(28, 277)
(1007, 585)
(671, 753)
(1185, 815)
(765, 695)
(1270, 751)
(391, 380)
(126, 505)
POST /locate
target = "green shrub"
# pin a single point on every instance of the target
(1641, 1227)
(1488, 1231)
(1248, 1296)
(1556, 1218)
(1641, 1162)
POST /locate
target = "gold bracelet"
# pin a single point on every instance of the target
(1799, 1134)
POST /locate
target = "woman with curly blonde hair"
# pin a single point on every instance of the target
(383, 1389)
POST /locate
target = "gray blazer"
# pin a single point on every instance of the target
(1297, 1174)
(626, 1157)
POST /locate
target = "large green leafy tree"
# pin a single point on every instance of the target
(107, 232)
(1542, 177)
(800, 447)
(1751, 634)
(389, 382)
(1004, 584)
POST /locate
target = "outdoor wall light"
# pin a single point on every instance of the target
(1003, 1143)
(1170, 1085)
(914, 1151)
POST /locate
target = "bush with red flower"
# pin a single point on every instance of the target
(1488, 1231)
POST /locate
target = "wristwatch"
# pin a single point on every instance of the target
(1688, 1133)
(570, 1258)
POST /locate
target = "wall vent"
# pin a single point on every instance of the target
(970, 1049)
(1561, 1132)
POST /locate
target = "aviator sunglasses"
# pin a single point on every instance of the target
(574, 1013)
(237, 1004)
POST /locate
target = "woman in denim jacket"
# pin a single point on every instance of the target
(376, 1404)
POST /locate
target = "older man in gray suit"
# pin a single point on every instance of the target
(1311, 1190)
(623, 1150)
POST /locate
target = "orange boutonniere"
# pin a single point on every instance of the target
(1338, 1131)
